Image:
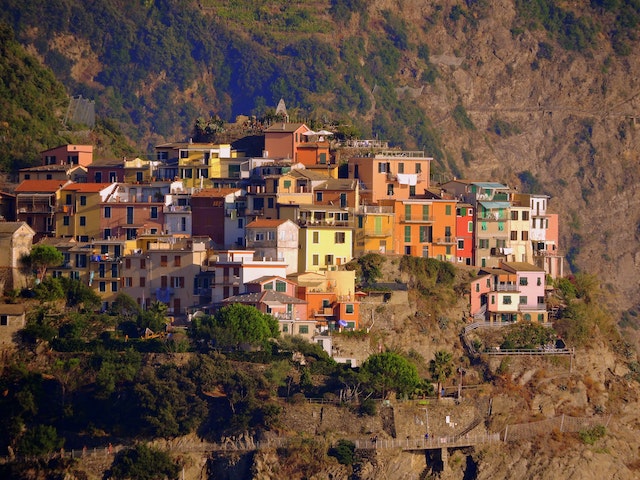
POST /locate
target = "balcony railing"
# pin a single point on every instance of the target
(506, 287)
(532, 308)
(176, 208)
(445, 240)
(417, 219)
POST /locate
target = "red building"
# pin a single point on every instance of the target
(464, 233)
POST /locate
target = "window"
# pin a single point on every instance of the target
(271, 235)
(183, 224)
(163, 261)
(349, 308)
(470, 227)
(418, 168)
(501, 226)
(523, 300)
(83, 200)
(514, 235)
(539, 281)
(477, 287)
(81, 261)
(68, 200)
(98, 177)
(143, 264)
(270, 202)
(128, 281)
(447, 209)
(107, 212)
(483, 226)
(483, 243)
(83, 221)
(425, 213)
(316, 237)
(525, 235)
(315, 259)
(259, 236)
(129, 215)
(541, 317)
(143, 281)
(65, 220)
(267, 286)
(328, 259)
(287, 184)
(460, 244)
(154, 212)
(318, 196)
(400, 167)
(382, 167)
(4, 320)
(138, 177)
(524, 281)
(281, 286)
(514, 215)
(303, 329)
(407, 212)
(340, 237)
(506, 300)
(390, 189)
(102, 286)
(176, 260)
(525, 215)
(27, 176)
(177, 282)
(127, 263)
(285, 328)
(407, 233)
(425, 234)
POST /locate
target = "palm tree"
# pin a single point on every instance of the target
(441, 368)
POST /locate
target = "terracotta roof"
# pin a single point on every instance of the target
(215, 192)
(87, 187)
(52, 168)
(284, 127)
(40, 186)
(266, 223)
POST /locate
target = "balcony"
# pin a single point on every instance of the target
(533, 308)
(506, 287)
(417, 219)
(450, 240)
(323, 312)
(104, 258)
(177, 208)
(492, 217)
(497, 252)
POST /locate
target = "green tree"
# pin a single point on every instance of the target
(144, 463)
(344, 451)
(79, 295)
(236, 325)
(41, 258)
(39, 440)
(389, 371)
(125, 308)
(441, 368)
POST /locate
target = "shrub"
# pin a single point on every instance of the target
(344, 452)
(368, 407)
(591, 435)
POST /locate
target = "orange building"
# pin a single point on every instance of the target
(426, 227)
(393, 174)
(282, 140)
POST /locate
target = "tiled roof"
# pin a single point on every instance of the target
(266, 223)
(40, 186)
(215, 192)
(10, 227)
(87, 187)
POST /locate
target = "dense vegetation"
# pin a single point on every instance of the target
(157, 66)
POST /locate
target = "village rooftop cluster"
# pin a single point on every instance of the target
(203, 225)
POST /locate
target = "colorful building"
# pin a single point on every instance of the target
(374, 230)
(78, 214)
(274, 240)
(393, 174)
(70, 154)
(36, 204)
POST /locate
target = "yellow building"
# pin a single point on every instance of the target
(374, 230)
(78, 211)
(324, 245)
(138, 170)
(197, 162)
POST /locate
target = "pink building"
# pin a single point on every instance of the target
(68, 155)
(514, 291)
